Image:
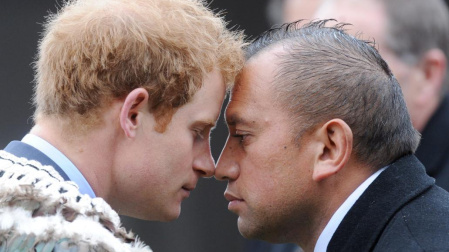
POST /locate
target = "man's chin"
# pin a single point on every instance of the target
(164, 215)
(253, 231)
(247, 229)
(171, 214)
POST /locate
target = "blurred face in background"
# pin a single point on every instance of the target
(299, 9)
(369, 21)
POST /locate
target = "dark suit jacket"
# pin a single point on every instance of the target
(433, 150)
(402, 210)
(20, 149)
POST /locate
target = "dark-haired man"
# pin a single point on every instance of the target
(321, 149)
(413, 37)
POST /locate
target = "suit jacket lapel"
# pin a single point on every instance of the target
(363, 225)
(24, 150)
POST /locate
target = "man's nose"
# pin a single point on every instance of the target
(227, 166)
(204, 163)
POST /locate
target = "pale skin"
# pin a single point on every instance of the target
(282, 192)
(421, 82)
(141, 172)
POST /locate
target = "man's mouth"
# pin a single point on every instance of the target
(234, 201)
(186, 190)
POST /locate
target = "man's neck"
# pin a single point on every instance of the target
(90, 153)
(337, 190)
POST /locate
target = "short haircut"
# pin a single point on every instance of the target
(416, 26)
(324, 73)
(95, 51)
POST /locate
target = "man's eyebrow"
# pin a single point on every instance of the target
(206, 123)
(235, 119)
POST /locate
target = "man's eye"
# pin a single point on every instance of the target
(199, 133)
(241, 136)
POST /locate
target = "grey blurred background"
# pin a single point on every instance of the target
(205, 224)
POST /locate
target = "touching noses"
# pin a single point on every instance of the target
(204, 163)
(227, 168)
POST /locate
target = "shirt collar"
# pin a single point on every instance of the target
(62, 161)
(337, 217)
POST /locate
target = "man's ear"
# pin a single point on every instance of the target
(130, 113)
(433, 65)
(335, 138)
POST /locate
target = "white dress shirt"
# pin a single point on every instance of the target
(62, 161)
(337, 217)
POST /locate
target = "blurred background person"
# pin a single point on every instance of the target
(279, 11)
(413, 37)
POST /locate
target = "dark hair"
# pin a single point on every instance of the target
(324, 73)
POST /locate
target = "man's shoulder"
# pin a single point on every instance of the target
(14, 164)
(39, 208)
(421, 225)
(403, 189)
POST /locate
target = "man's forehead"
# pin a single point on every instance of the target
(245, 107)
(258, 73)
(253, 91)
(242, 103)
(206, 115)
(245, 94)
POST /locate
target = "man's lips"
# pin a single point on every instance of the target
(187, 189)
(190, 186)
(234, 201)
(231, 197)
